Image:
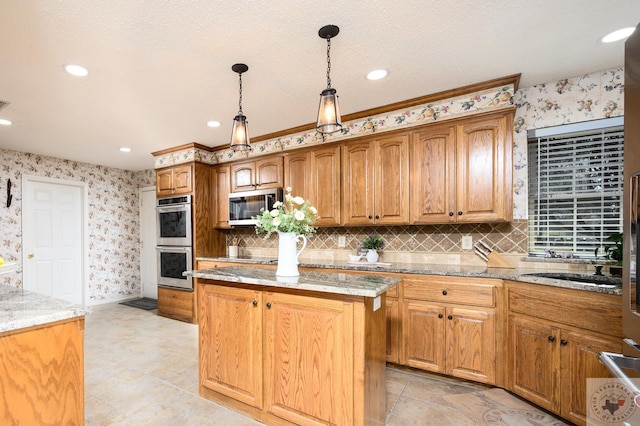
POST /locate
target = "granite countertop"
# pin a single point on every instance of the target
(22, 308)
(325, 282)
(517, 274)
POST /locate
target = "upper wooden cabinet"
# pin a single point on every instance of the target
(376, 181)
(174, 180)
(222, 182)
(260, 174)
(463, 172)
(315, 175)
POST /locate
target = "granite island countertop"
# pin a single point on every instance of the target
(22, 308)
(477, 271)
(325, 282)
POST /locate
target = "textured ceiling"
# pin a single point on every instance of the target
(160, 69)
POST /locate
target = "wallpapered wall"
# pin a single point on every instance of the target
(114, 254)
(114, 271)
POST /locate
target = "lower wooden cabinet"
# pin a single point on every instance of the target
(42, 374)
(554, 345)
(393, 330)
(176, 304)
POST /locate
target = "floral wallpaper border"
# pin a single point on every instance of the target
(446, 109)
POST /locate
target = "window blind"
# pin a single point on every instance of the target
(575, 190)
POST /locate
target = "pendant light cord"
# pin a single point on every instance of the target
(240, 99)
(328, 63)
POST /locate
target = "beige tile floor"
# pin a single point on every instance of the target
(141, 369)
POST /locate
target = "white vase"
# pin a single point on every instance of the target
(287, 255)
(372, 256)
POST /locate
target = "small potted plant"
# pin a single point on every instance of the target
(372, 243)
(614, 251)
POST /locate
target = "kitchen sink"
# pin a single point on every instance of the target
(580, 278)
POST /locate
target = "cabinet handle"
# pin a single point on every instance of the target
(377, 217)
(268, 305)
(444, 292)
(460, 213)
(255, 303)
(450, 317)
(450, 213)
(370, 217)
(563, 342)
(439, 315)
(551, 338)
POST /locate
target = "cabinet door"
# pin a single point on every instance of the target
(182, 180)
(392, 180)
(579, 362)
(243, 177)
(357, 192)
(393, 330)
(177, 304)
(309, 359)
(222, 181)
(297, 174)
(164, 182)
(534, 361)
(471, 348)
(325, 185)
(231, 357)
(423, 331)
(269, 173)
(484, 175)
(433, 178)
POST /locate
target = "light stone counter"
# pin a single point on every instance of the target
(325, 282)
(21, 309)
(518, 274)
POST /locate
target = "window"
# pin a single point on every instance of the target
(575, 187)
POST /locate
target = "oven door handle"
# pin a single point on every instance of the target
(614, 362)
(174, 249)
(174, 208)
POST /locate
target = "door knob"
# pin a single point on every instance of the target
(30, 255)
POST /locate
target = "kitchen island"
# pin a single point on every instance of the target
(303, 350)
(41, 359)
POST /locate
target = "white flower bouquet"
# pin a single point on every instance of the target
(295, 214)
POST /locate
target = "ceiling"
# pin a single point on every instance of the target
(160, 69)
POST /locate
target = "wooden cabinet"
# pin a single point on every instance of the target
(259, 174)
(463, 172)
(42, 374)
(315, 175)
(376, 181)
(393, 326)
(554, 345)
(305, 358)
(177, 304)
(449, 326)
(222, 182)
(174, 181)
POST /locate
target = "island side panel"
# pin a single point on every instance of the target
(373, 336)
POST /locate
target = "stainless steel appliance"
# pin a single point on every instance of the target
(245, 205)
(172, 262)
(174, 221)
(626, 366)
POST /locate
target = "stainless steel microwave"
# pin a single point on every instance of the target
(243, 206)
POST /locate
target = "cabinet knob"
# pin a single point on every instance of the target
(450, 213)
(563, 342)
(377, 217)
(450, 317)
(551, 338)
(439, 315)
(460, 213)
(268, 305)
(444, 292)
(255, 303)
(370, 217)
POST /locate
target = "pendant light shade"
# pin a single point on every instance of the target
(240, 130)
(329, 120)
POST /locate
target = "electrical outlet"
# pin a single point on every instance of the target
(342, 241)
(467, 242)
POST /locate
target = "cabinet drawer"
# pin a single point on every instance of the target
(588, 310)
(450, 290)
(175, 303)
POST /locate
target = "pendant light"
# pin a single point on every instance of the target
(240, 131)
(329, 120)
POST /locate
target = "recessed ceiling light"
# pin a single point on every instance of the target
(5, 122)
(618, 35)
(125, 149)
(76, 70)
(377, 74)
(213, 123)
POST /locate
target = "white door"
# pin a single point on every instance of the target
(53, 228)
(148, 261)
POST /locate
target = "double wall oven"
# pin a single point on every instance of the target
(174, 242)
